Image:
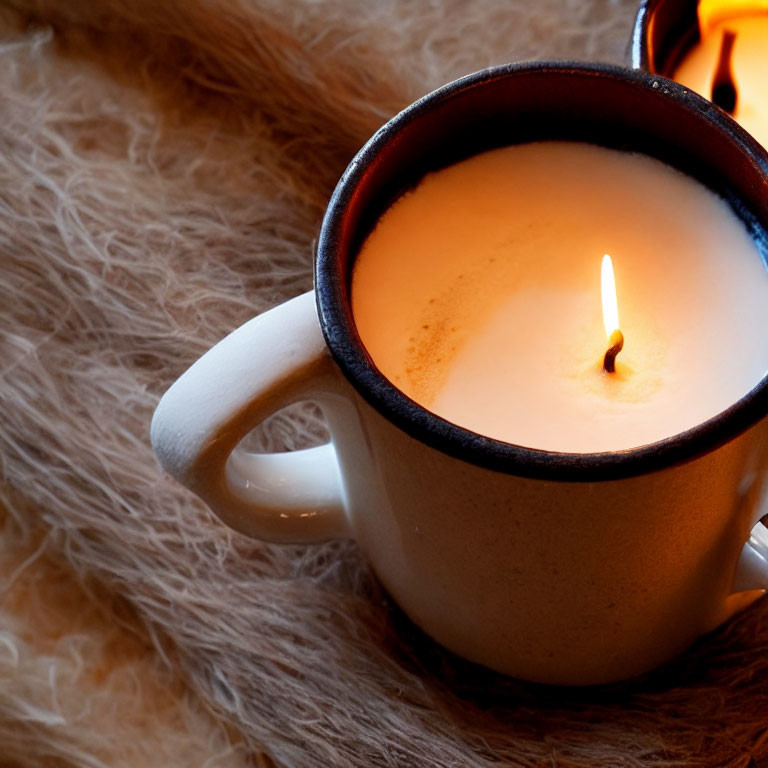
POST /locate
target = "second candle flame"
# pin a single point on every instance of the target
(714, 12)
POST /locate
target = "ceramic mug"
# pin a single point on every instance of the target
(552, 567)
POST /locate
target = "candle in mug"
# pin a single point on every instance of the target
(478, 294)
(728, 64)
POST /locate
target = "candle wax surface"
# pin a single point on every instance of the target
(478, 295)
(748, 65)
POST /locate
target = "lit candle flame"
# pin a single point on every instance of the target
(714, 12)
(610, 316)
(610, 304)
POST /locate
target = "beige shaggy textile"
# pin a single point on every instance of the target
(165, 165)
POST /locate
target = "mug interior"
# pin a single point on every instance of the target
(604, 105)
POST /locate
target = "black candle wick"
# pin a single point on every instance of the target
(724, 92)
(616, 342)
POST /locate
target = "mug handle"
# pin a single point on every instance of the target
(752, 567)
(273, 360)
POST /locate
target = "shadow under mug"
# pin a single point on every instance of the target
(552, 567)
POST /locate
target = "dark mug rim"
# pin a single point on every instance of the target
(348, 351)
(638, 44)
(638, 49)
(683, 25)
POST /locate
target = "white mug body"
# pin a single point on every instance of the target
(555, 581)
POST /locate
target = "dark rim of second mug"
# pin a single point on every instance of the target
(350, 354)
(638, 47)
(683, 26)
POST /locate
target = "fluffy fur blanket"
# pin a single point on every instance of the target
(165, 165)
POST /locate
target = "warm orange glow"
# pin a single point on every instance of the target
(610, 304)
(714, 12)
